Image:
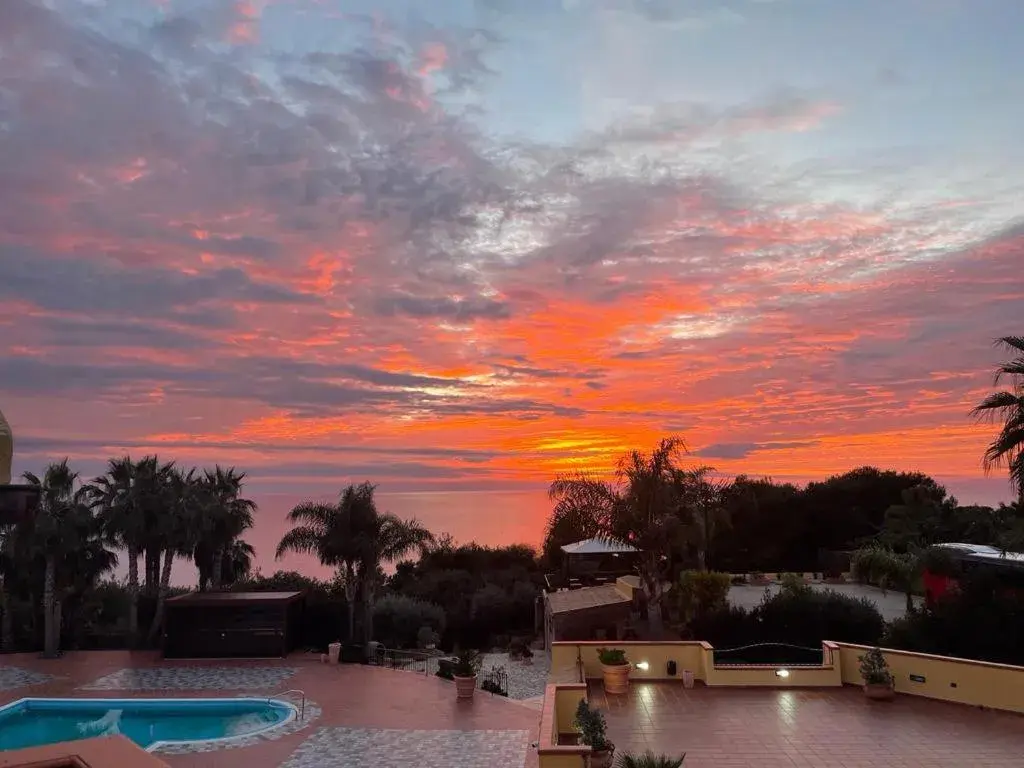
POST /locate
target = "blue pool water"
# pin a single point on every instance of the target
(31, 722)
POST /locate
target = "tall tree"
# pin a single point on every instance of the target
(1007, 407)
(332, 533)
(187, 498)
(642, 507)
(704, 501)
(385, 539)
(56, 531)
(226, 517)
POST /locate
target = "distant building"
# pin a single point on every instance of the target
(974, 558)
(605, 612)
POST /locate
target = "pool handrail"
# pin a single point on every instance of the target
(302, 710)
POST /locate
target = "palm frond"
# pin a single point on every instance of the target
(301, 540)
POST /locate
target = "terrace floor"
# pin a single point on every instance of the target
(806, 728)
(356, 715)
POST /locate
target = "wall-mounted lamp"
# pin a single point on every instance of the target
(783, 673)
(643, 666)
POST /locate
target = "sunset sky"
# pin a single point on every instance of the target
(463, 245)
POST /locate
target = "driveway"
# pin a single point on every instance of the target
(892, 605)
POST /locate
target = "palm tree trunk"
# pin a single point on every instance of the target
(49, 587)
(368, 600)
(152, 570)
(218, 568)
(161, 598)
(350, 600)
(133, 596)
(7, 620)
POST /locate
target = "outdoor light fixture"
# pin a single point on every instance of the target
(643, 666)
(783, 673)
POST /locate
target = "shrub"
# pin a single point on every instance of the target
(612, 657)
(649, 760)
(592, 727)
(467, 663)
(700, 592)
(874, 669)
(398, 620)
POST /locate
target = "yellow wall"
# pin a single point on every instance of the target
(687, 655)
(567, 699)
(978, 683)
(561, 760)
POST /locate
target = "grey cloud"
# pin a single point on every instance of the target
(444, 307)
(742, 450)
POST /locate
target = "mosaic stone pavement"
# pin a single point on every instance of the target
(311, 714)
(16, 677)
(193, 679)
(345, 747)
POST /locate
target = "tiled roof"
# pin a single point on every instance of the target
(567, 601)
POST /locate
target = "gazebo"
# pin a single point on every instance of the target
(596, 561)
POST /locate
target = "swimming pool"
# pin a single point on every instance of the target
(150, 723)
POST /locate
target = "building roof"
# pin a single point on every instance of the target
(570, 600)
(598, 547)
(982, 553)
(234, 598)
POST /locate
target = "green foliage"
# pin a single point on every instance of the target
(874, 669)
(799, 616)
(1006, 407)
(649, 760)
(398, 620)
(467, 663)
(612, 657)
(700, 592)
(983, 619)
(592, 727)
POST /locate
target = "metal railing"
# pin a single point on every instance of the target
(302, 710)
(425, 662)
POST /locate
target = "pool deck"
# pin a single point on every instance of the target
(358, 714)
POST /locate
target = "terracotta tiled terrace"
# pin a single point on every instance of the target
(351, 699)
(807, 728)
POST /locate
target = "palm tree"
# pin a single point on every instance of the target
(1007, 406)
(704, 503)
(385, 539)
(229, 515)
(187, 500)
(332, 533)
(116, 496)
(642, 507)
(54, 533)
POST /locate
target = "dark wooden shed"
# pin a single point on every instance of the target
(232, 624)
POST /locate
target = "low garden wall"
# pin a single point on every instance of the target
(964, 681)
(557, 717)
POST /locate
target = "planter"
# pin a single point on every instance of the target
(616, 678)
(602, 759)
(879, 692)
(334, 652)
(464, 687)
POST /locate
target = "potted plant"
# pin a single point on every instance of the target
(615, 669)
(592, 728)
(649, 760)
(464, 670)
(878, 680)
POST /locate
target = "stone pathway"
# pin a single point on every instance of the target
(16, 677)
(346, 747)
(193, 679)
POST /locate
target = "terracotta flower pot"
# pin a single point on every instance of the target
(879, 691)
(464, 687)
(602, 759)
(616, 678)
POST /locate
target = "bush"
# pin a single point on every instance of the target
(797, 615)
(398, 620)
(700, 592)
(983, 620)
(592, 727)
(612, 657)
(874, 669)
